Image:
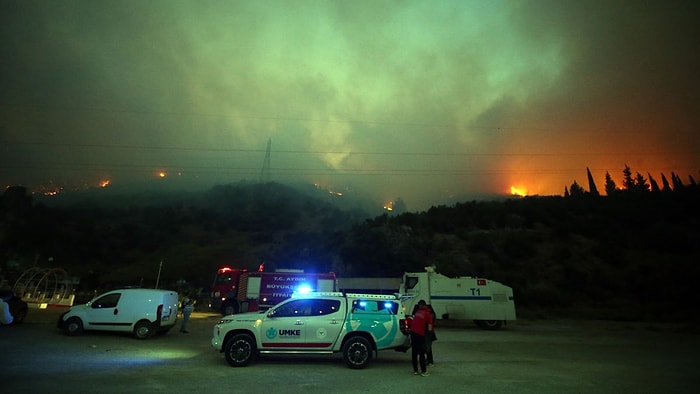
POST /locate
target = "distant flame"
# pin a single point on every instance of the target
(162, 174)
(518, 191)
(105, 183)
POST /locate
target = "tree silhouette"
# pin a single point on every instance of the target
(640, 183)
(664, 182)
(677, 182)
(591, 183)
(654, 185)
(576, 190)
(627, 180)
(610, 186)
(15, 199)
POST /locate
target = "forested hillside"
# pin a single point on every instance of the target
(626, 256)
(629, 255)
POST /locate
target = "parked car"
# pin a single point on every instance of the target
(142, 312)
(356, 325)
(18, 308)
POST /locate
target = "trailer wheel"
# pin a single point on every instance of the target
(239, 350)
(489, 324)
(357, 352)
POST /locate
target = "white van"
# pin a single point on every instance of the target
(142, 312)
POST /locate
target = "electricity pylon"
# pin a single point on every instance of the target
(265, 172)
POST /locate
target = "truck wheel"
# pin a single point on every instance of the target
(143, 329)
(239, 350)
(74, 326)
(489, 324)
(357, 352)
(229, 308)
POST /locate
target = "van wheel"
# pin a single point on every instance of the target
(143, 329)
(74, 326)
(357, 352)
(489, 324)
(239, 350)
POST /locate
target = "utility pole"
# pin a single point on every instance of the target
(159, 269)
(265, 172)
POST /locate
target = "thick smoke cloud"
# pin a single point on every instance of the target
(430, 102)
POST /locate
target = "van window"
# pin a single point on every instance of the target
(107, 301)
(223, 279)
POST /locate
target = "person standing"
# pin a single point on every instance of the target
(6, 317)
(187, 308)
(430, 337)
(421, 324)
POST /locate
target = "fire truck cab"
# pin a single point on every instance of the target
(239, 290)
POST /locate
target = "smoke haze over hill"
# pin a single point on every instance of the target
(429, 102)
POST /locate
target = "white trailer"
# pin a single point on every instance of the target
(487, 302)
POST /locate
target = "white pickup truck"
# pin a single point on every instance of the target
(316, 323)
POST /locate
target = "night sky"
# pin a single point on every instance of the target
(429, 101)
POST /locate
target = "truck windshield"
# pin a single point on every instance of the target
(222, 279)
(411, 282)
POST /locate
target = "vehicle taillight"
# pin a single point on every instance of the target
(159, 312)
(481, 282)
(405, 325)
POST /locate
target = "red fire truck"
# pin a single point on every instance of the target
(239, 290)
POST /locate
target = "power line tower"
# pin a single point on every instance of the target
(265, 172)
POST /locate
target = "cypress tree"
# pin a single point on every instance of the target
(591, 183)
(654, 185)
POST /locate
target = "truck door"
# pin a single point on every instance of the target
(378, 317)
(415, 286)
(286, 325)
(324, 323)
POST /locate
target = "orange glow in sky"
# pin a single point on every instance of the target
(518, 191)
